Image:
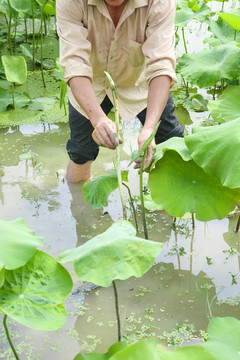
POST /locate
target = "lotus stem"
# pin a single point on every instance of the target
(238, 224)
(222, 85)
(184, 40)
(33, 28)
(193, 221)
(42, 9)
(120, 186)
(235, 35)
(9, 338)
(13, 95)
(132, 206)
(142, 198)
(117, 310)
(9, 27)
(26, 32)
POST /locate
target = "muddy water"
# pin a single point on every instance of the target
(33, 186)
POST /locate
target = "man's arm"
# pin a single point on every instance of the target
(157, 99)
(104, 133)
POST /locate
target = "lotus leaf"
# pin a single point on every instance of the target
(111, 351)
(206, 67)
(18, 243)
(232, 18)
(223, 33)
(216, 150)
(149, 204)
(227, 108)
(20, 100)
(32, 294)
(42, 103)
(115, 254)
(182, 186)
(186, 352)
(24, 7)
(223, 338)
(4, 8)
(15, 68)
(141, 350)
(97, 191)
(184, 16)
(174, 143)
(2, 277)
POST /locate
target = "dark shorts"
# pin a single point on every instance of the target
(81, 147)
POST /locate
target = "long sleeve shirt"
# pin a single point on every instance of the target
(138, 49)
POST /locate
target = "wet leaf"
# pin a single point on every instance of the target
(227, 107)
(15, 68)
(217, 150)
(111, 351)
(32, 294)
(42, 103)
(182, 186)
(115, 254)
(97, 191)
(18, 243)
(232, 18)
(223, 341)
(208, 66)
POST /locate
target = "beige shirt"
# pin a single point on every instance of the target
(140, 48)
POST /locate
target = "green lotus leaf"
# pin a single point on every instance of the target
(115, 254)
(33, 293)
(222, 32)
(20, 100)
(206, 67)
(223, 338)
(111, 351)
(24, 7)
(182, 186)
(141, 350)
(232, 18)
(18, 243)
(216, 149)
(97, 191)
(42, 103)
(50, 8)
(174, 143)
(15, 68)
(149, 204)
(227, 107)
(2, 276)
(186, 352)
(184, 16)
(4, 8)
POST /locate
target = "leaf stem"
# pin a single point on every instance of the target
(193, 221)
(184, 40)
(33, 29)
(9, 338)
(238, 224)
(117, 310)
(42, 9)
(9, 27)
(132, 205)
(142, 198)
(13, 95)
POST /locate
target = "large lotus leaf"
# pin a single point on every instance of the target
(227, 108)
(111, 351)
(232, 18)
(32, 294)
(184, 16)
(141, 350)
(182, 186)
(4, 8)
(223, 338)
(18, 243)
(97, 191)
(20, 100)
(217, 150)
(206, 67)
(24, 7)
(15, 68)
(115, 254)
(174, 143)
(223, 33)
(184, 353)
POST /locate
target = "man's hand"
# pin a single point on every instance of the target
(104, 134)
(143, 136)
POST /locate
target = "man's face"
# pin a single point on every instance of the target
(115, 2)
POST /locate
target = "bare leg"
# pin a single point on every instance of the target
(78, 172)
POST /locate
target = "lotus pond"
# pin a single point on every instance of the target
(177, 287)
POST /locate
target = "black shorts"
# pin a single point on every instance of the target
(81, 147)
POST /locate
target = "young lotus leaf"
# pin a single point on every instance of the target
(232, 18)
(20, 100)
(97, 191)
(182, 186)
(184, 16)
(216, 150)
(111, 351)
(18, 243)
(227, 108)
(208, 66)
(223, 338)
(174, 143)
(42, 103)
(32, 294)
(15, 68)
(115, 254)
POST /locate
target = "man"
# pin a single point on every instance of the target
(133, 40)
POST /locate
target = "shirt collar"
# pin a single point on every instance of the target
(132, 3)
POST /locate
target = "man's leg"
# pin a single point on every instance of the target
(169, 126)
(81, 147)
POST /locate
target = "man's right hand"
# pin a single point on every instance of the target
(104, 134)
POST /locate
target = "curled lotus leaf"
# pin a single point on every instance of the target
(115, 254)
